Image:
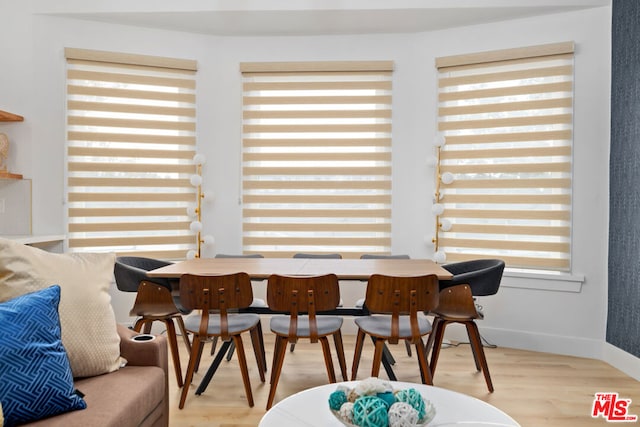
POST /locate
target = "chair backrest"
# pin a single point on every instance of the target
(153, 300)
(457, 301)
(377, 256)
(317, 256)
(289, 294)
(129, 271)
(229, 291)
(239, 256)
(401, 295)
(482, 275)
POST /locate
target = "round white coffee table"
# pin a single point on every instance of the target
(311, 408)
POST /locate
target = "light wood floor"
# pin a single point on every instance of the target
(536, 389)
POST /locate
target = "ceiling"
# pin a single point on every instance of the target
(307, 17)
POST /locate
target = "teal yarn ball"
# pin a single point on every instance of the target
(413, 398)
(370, 411)
(387, 397)
(336, 399)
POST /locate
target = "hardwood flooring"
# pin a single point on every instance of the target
(536, 389)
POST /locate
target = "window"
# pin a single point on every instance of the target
(504, 171)
(130, 145)
(317, 157)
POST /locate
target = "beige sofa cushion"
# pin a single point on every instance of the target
(87, 319)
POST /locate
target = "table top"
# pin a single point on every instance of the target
(262, 268)
(310, 408)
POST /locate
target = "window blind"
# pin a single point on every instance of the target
(130, 144)
(506, 117)
(317, 157)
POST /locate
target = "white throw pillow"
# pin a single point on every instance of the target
(88, 323)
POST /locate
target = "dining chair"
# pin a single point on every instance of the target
(223, 293)
(457, 305)
(301, 300)
(154, 302)
(396, 304)
(305, 255)
(360, 302)
(257, 302)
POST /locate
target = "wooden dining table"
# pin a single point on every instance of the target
(262, 268)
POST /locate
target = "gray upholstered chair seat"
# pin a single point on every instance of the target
(237, 323)
(327, 325)
(381, 325)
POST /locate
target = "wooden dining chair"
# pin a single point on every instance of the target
(222, 293)
(396, 305)
(360, 302)
(257, 302)
(305, 255)
(301, 299)
(480, 277)
(154, 302)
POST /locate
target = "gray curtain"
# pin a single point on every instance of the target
(623, 323)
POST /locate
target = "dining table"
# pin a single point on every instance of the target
(262, 268)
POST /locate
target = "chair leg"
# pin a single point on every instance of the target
(142, 322)
(328, 362)
(232, 348)
(377, 356)
(173, 346)
(196, 349)
(337, 340)
(476, 359)
(214, 344)
(278, 359)
(425, 371)
(147, 327)
(242, 361)
(261, 339)
(407, 345)
(198, 359)
(258, 351)
(474, 337)
(357, 352)
(183, 332)
(434, 327)
(437, 344)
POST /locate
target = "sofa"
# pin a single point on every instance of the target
(64, 360)
(135, 395)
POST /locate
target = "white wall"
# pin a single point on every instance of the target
(32, 85)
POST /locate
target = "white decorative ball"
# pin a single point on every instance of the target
(402, 414)
(346, 411)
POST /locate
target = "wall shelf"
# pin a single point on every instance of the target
(5, 116)
(8, 175)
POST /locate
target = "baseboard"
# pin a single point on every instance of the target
(570, 346)
(548, 343)
(620, 359)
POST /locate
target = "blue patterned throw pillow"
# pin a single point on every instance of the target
(35, 376)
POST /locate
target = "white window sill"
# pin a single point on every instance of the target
(542, 280)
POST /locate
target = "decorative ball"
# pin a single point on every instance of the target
(372, 385)
(352, 396)
(401, 414)
(346, 412)
(336, 399)
(370, 411)
(387, 397)
(413, 398)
